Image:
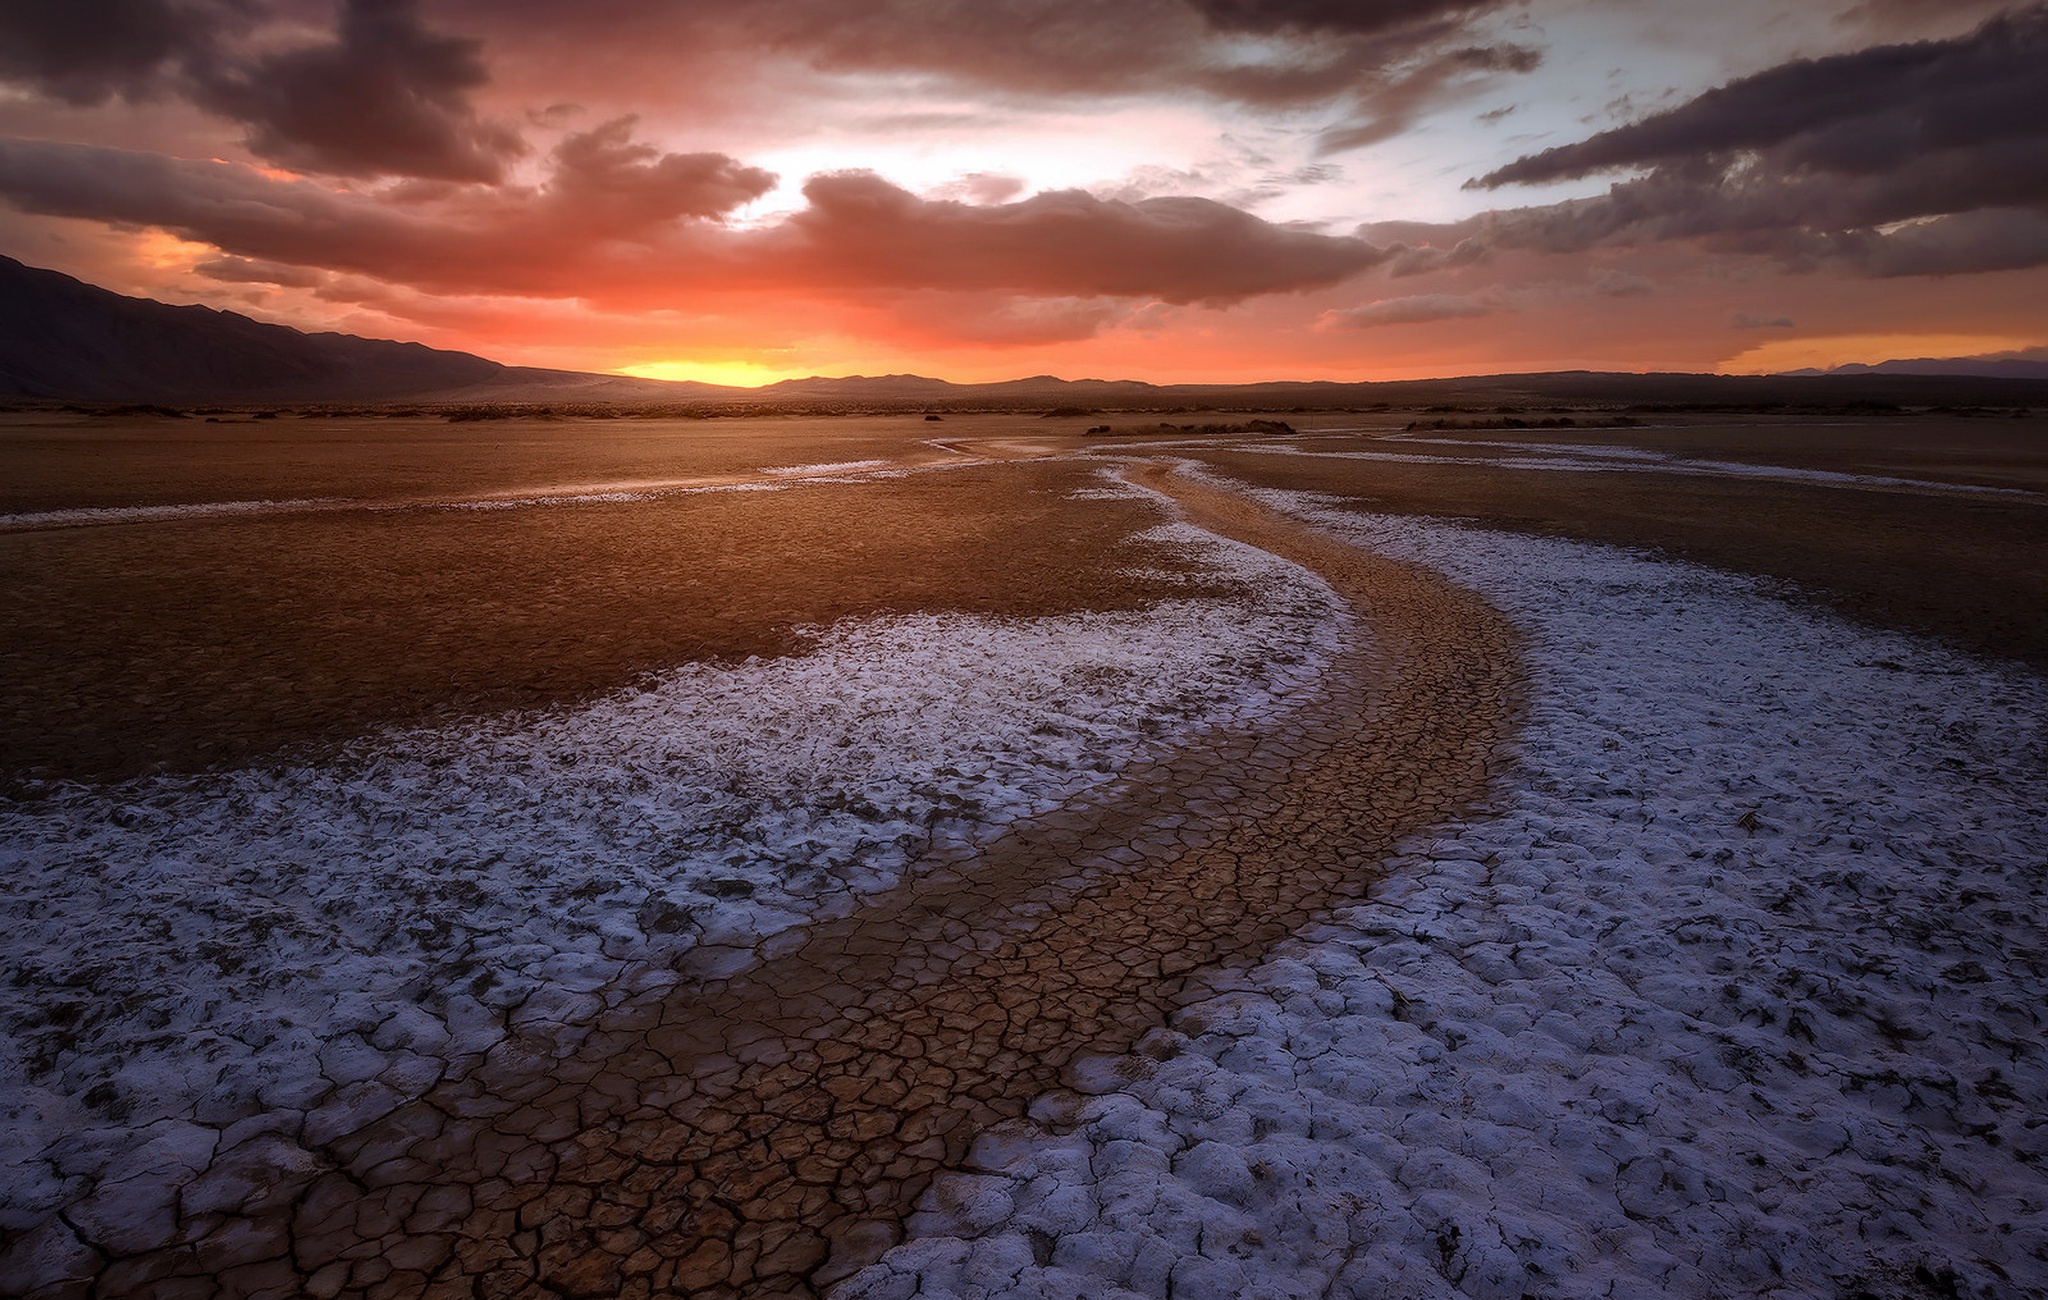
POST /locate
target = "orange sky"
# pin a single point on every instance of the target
(1171, 190)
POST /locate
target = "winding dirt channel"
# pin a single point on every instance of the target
(767, 1133)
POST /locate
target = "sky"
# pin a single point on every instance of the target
(1168, 190)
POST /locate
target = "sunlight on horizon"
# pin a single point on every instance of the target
(733, 374)
(1829, 351)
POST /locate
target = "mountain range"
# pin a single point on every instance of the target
(64, 340)
(2031, 364)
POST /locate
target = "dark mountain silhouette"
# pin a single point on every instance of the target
(64, 340)
(2031, 364)
(1605, 388)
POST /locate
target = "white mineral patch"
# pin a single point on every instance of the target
(1742, 992)
(183, 950)
(1589, 459)
(88, 515)
(828, 467)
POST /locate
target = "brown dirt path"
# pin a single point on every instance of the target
(765, 1134)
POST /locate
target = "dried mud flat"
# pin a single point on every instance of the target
(764, 1122)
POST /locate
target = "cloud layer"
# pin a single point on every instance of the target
(1197, 178)
(1928, 158)
(620, 223)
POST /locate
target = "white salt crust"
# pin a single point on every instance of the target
(183, 951)
(1742, 991)
(1593, 459)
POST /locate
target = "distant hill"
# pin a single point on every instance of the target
(1539, 389)
(65, 339)
(2031, 364)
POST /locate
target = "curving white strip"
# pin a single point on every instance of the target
(1739, 993)
(183, 951)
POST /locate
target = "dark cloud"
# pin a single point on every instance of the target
(88, 51)
(1921, 159)
(385, 97)
(390, 93)
(1965, 243)
(1860, 113)
(1749, 320)
(620, 224)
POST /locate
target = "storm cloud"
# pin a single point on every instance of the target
(88, 51)
(1916, 159)
(385, 96)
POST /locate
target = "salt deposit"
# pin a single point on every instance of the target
(185, 951)
(1590, 459)
(1738, 992)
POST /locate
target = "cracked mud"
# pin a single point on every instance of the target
(766, 1132)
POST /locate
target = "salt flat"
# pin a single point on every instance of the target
(1734, 982)
(1739, 992)
(188, 950)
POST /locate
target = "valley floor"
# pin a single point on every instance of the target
(1159, 913)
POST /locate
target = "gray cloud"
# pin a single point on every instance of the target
(88, 51)
(384, 97)
(1385, 110)
(1921, 159)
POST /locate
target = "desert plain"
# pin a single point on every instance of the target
(1476, 852)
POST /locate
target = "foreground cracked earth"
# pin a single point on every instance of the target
(765, 1134)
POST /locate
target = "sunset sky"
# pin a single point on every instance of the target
(1171, 190)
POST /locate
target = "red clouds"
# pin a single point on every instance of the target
(610, 184)
(622, 224)
(478, 168)
(861, 230)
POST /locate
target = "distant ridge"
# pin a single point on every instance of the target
(1537, 389)
(64, 340)
(2031, 364)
